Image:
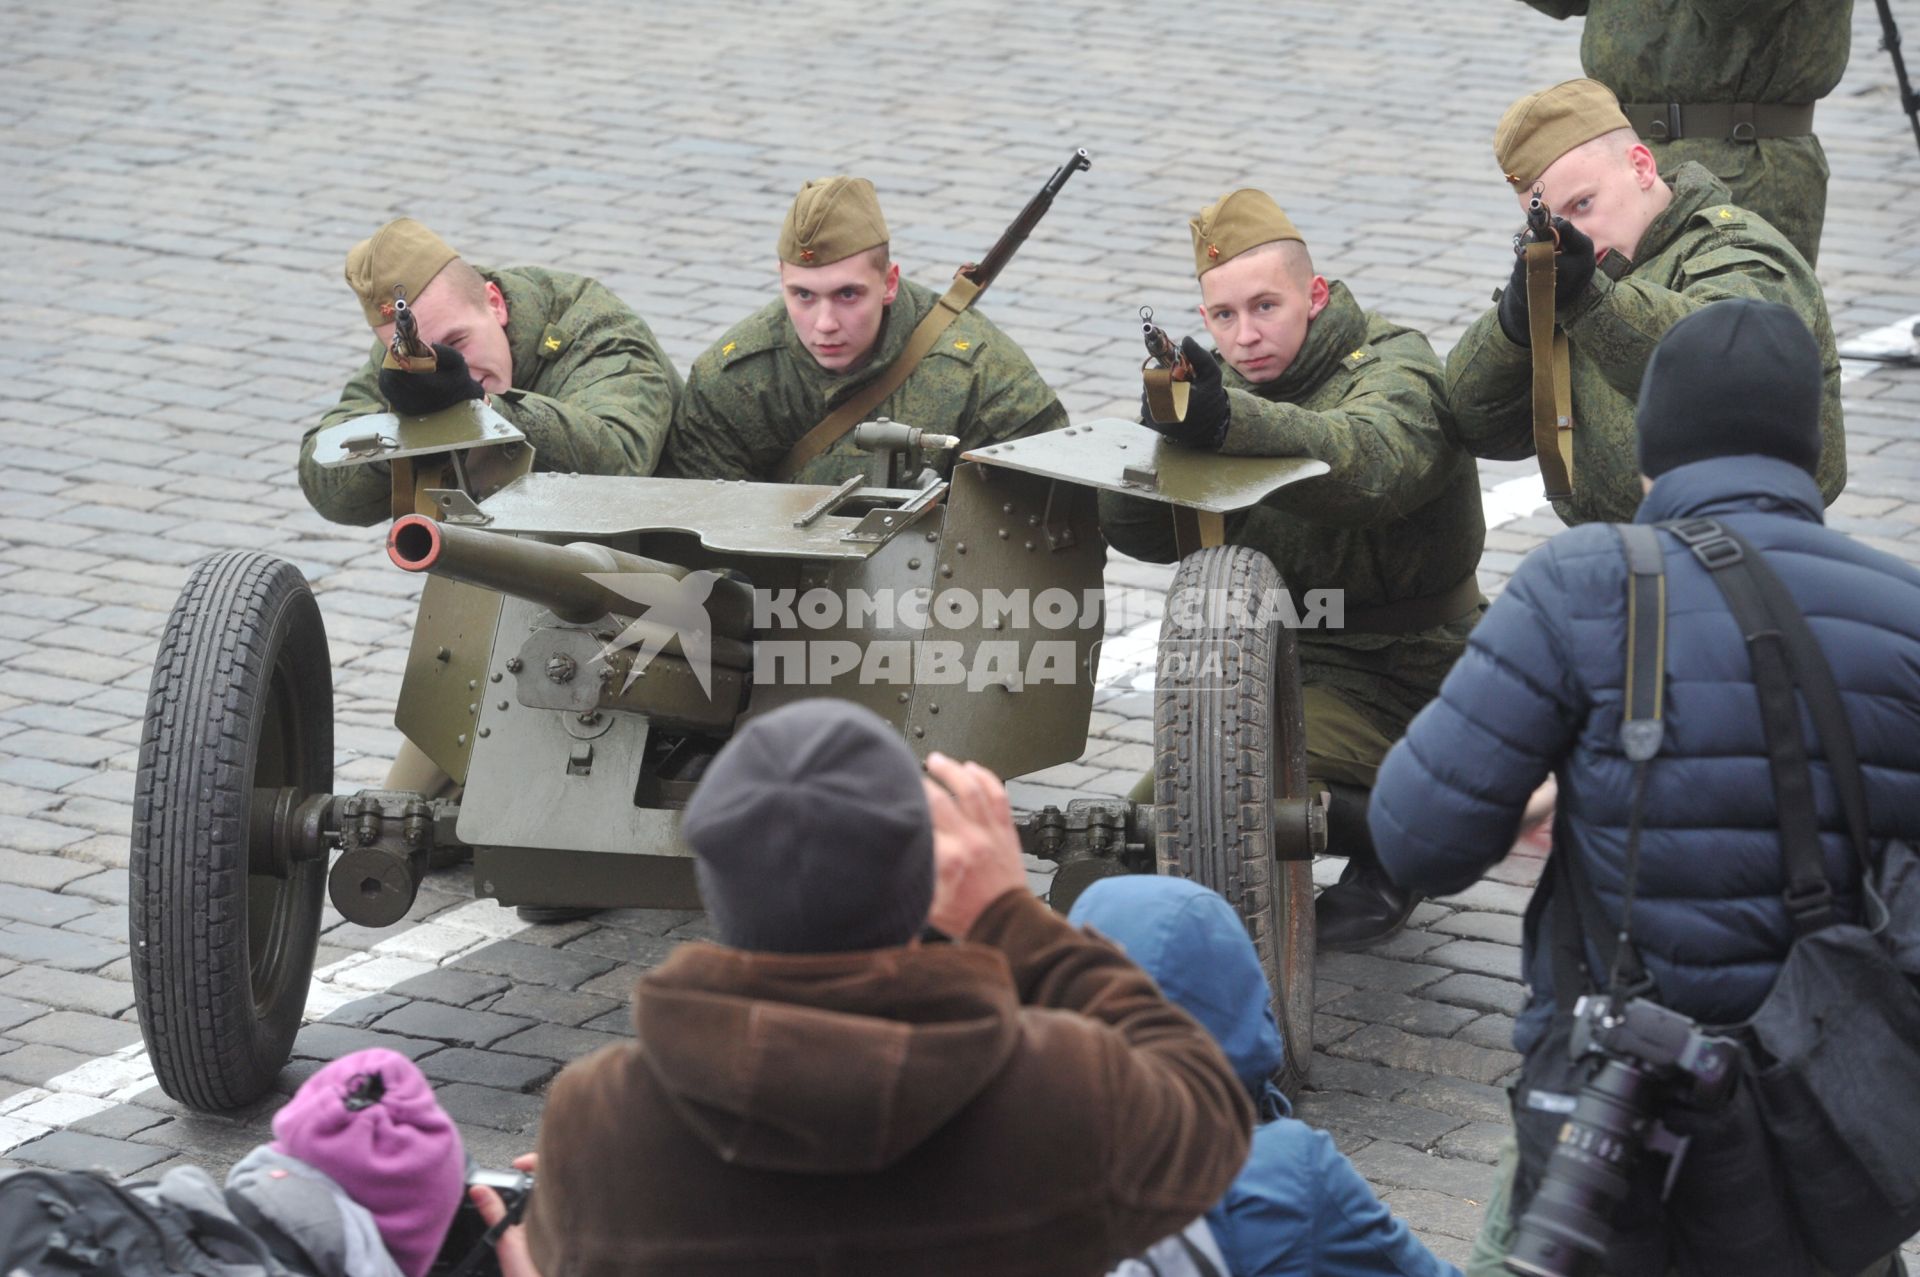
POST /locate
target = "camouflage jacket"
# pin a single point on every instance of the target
(597, 402)
(757, 390)
(1712, 50)
(1727, 51)
(1397, 517)
(1699, 250)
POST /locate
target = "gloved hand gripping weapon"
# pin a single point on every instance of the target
(1552, 377)
(407, 352)
(1167, 373)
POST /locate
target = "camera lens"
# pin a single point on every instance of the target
(1569, 1225)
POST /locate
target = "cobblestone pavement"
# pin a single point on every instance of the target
(181, 182)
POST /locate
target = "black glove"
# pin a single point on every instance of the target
(1572, 272)
(1573, 268)
(415, 394)
(1208, 412)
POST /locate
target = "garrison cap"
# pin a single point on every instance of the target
(832, 218)
(402, 252)
(1234, 223)
(1541, 127)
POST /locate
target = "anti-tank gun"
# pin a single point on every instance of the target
(584, 646)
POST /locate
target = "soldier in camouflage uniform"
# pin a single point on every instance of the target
(843, 318)
(1637, 253)
(1396, 523)
(557, 355)
(1729, 84)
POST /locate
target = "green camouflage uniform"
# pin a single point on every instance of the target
(758, 389)
(1700, 249)
(598, 403)
(1761, 51)
(1397, 518)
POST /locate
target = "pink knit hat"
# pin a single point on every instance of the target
(370, 1123)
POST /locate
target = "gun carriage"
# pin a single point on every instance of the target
(584, 646)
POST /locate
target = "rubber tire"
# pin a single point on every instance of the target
(242, 695)
(1229, 738)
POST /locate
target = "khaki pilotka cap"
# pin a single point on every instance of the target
(832, 218)
(402, 252)
(1543, 126)
(1235, 223)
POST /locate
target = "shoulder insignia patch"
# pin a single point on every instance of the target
(962, 345)
(552, 342)
(728, 349)
(1359, 357)
(1726, 214)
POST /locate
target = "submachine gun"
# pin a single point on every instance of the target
(968, 283)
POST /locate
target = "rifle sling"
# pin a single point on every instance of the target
(1166, 398)
(1552, 377)
(853, 410)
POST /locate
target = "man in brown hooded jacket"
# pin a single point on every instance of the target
(821, 1092)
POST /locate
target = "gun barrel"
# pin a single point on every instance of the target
(1539, 217)
(560, 577)
(1016, 234)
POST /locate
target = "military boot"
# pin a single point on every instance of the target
(1365, 906)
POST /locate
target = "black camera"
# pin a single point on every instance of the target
(470, 1248)
(1648, 1059)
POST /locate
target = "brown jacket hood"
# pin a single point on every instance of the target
(829, 1063)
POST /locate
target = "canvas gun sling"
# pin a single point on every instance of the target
(854, 410)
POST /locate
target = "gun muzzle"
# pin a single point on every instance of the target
(561, 578)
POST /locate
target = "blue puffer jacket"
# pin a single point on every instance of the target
(1539, 691)
(1298, 1208)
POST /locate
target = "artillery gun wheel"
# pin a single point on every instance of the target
(239, 729)
(1229, 740)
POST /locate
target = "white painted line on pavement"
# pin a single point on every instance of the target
(1127, 662)
(110, 1080)
(1894, 339)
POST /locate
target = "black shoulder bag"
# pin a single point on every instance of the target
(1835, 1047)
(1816, 1152)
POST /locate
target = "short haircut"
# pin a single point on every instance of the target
(880, 256)
(1613, 144)
(464, 282)
(1299, 262)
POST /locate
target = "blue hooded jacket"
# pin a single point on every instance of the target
(1539, 691)
(1298, 1206)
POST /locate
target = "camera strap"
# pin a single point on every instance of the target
(1577, 916)
(1785, 656)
